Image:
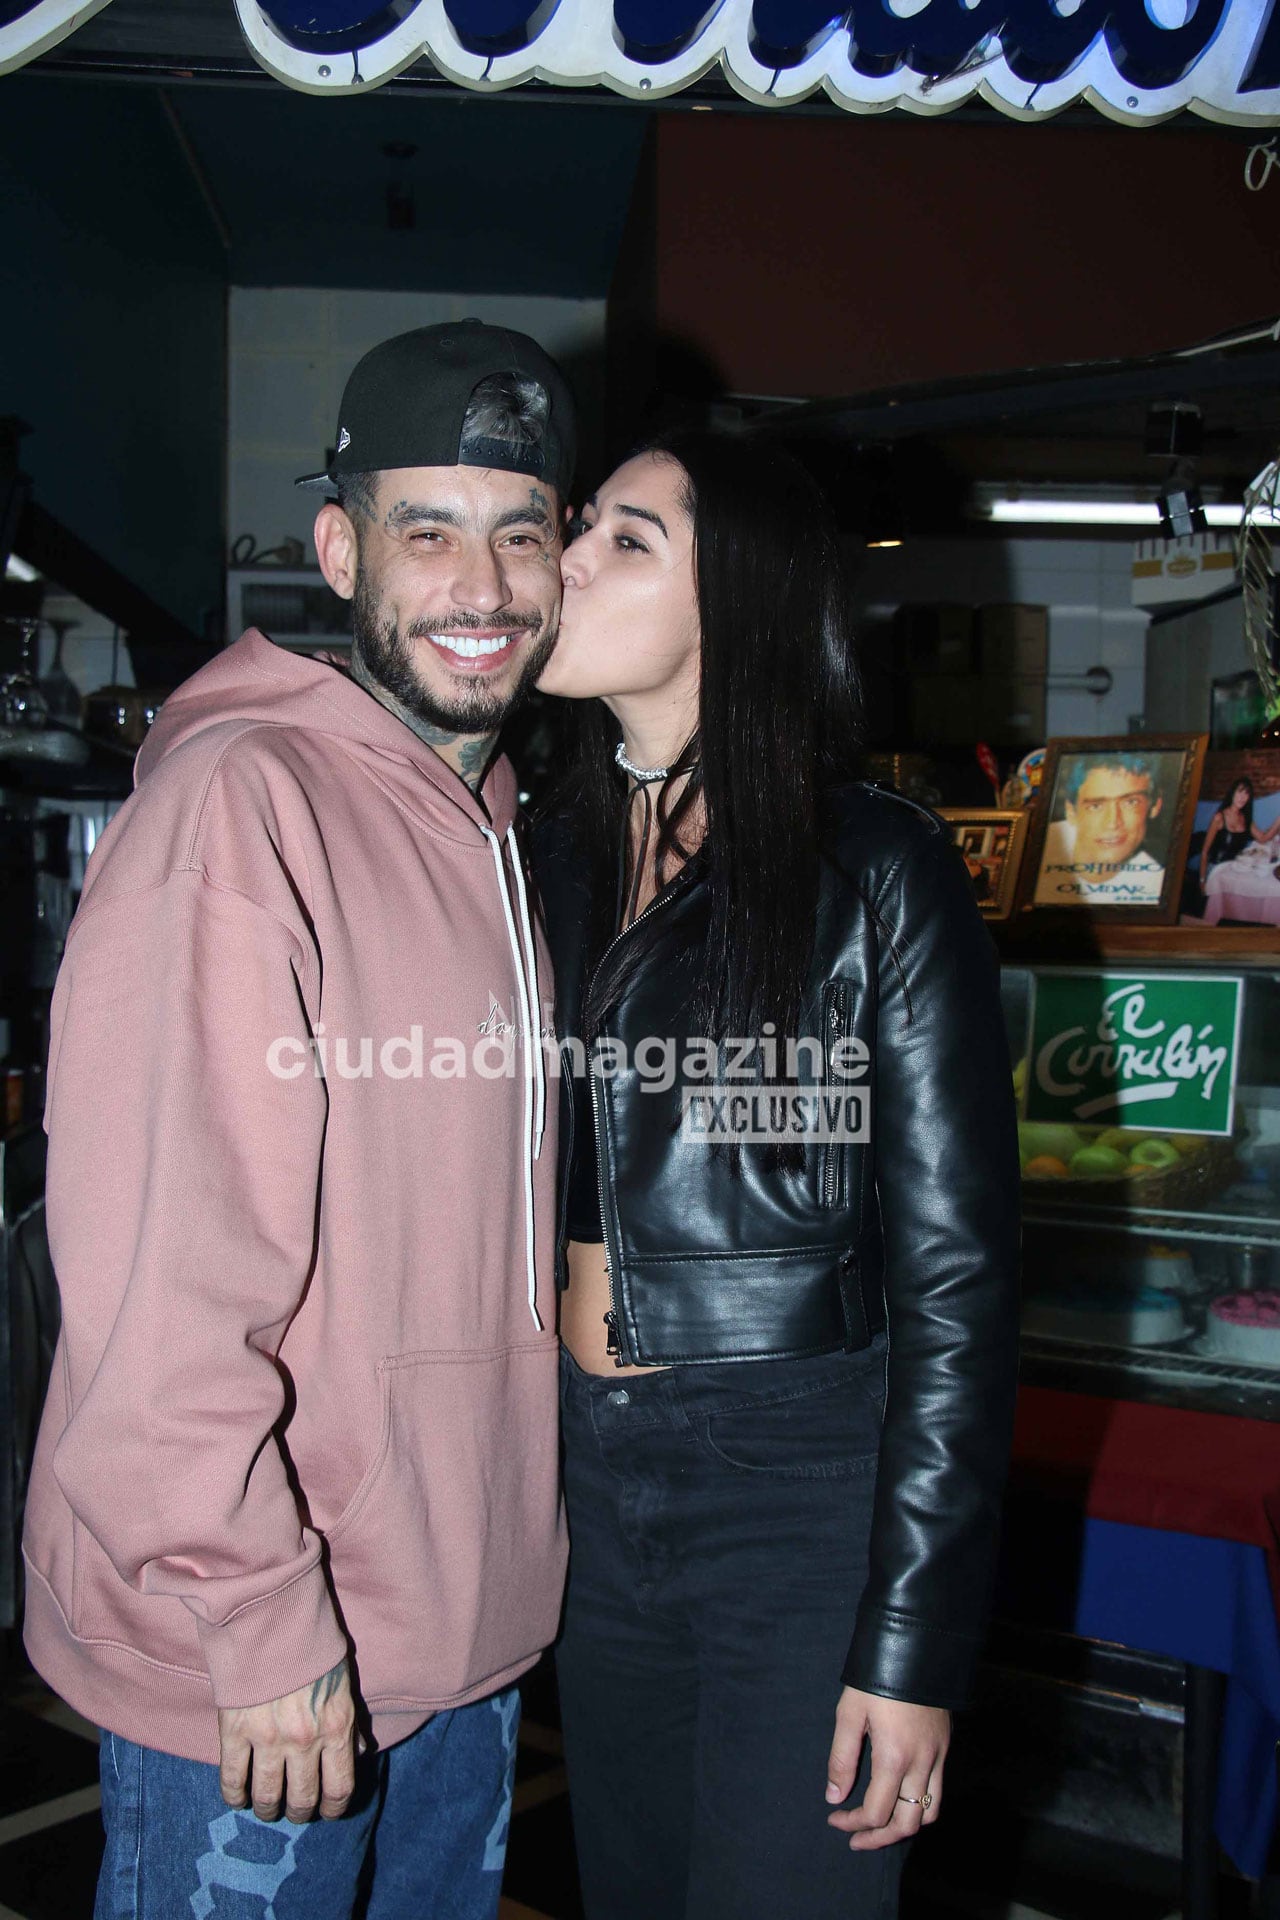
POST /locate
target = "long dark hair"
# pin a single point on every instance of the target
(1246, 810)
(780, 721)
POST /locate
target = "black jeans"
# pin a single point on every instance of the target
(718, 1521)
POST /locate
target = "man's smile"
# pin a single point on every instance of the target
(477, 650)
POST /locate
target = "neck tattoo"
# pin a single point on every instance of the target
(470, 751)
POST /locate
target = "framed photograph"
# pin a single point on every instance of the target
(1232, 873)
(990, 844)
(1111, 826)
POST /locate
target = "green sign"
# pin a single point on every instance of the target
(1149, 1050)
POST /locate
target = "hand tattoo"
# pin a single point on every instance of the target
(323, 1689)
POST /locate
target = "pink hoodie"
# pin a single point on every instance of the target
(305, 1392)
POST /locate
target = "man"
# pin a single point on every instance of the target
(1096, 854)
(295, 1495)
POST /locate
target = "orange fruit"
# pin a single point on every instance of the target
(1047, 1166)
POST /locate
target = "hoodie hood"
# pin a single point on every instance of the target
(256, 683)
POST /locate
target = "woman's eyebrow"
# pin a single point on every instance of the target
(643, 513)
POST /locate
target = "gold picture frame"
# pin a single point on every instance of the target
(991, 841)
(1110, 826)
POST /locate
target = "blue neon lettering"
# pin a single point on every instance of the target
(652, 31)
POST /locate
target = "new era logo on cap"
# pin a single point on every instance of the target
(344, 441)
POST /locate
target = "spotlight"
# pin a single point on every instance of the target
(1181, 511)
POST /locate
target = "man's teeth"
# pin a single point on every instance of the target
(468, 646)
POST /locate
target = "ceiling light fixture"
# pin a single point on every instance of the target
(1028, 509)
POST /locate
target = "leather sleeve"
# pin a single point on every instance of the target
(947, 1177)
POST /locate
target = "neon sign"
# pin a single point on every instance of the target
(1136, 61)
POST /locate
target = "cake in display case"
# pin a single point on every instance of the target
(1149, 1136)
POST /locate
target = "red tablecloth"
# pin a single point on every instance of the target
(1145, 1466)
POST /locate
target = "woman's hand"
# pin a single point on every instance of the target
(908, 1748)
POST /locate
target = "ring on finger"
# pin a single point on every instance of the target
(924, 1802)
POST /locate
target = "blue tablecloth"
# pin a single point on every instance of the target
(1208, 1602)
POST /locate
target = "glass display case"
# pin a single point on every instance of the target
(1149, 1090)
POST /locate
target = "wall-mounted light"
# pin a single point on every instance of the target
(1086, 508)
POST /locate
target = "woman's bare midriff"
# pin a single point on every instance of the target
(582, 1311)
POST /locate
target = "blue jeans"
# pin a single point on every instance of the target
(719, 1518)
(424, 1838)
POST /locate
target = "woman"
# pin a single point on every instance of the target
(1231, 830)
(723, 1319)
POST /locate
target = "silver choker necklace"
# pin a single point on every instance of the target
(643, 774)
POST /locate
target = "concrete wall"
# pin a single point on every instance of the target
(1084, 584)
(1186, 655)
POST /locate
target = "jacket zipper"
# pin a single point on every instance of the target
(613, 1319)
(562, 1263)
(612, 1344)
(836, 1025)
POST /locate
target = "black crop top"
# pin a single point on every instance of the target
(1229, 844)
(582, 1212)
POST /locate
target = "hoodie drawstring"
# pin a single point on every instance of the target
(531, 953)
(535, 1089)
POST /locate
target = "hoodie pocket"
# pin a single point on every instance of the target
(448, 1562)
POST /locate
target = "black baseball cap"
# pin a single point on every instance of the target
(404, 405)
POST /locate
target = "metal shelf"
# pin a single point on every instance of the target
(1233, 1229)
(1166, 1376)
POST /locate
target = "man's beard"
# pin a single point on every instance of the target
(387, 656)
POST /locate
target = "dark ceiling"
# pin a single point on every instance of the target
(414, 192)
(1069, 426)
(306, 193)
(423, 186)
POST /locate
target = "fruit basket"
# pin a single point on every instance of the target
(1139, 1172)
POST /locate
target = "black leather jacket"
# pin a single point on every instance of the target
(918, 1229)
